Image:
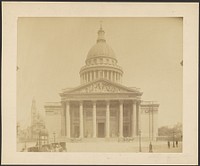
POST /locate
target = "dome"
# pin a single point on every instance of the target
(101, 49)
(101, 63)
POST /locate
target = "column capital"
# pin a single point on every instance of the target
(67, 101)
(107, 101)
(134, 101)
(121, 101)
(138, 101)
(62, 103)
(94, 101)
(62, 112)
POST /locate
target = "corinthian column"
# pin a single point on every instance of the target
(94, 119)
(107, 119)
(91, 76)
(114, 76)
(138, 117)
(106, 73)
(83, 77)
(68, 119)
(121, 119)
(134, 119)
(86, 78)
(111, 76)
(81, 118)
(63, 120)
(94, 74)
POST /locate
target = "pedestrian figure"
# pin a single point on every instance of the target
(57, 148)
(60, 148)
(23, 149)
(176, 143)
(168, 144)
(150, 148)
(173, 144)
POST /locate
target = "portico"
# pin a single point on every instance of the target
(100, 118)
(100, 109)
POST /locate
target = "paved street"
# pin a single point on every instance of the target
(158, 147)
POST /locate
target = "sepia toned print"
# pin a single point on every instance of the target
(130, 94)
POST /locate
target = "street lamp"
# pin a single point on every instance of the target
(173, 139)
(18, 126)
(54, 137)
(39, 141)
(140, 148)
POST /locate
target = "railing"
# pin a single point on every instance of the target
(126, 139)
(52, 104)
(135, 88)
(101, 65)
(168, 138)
(149, 102)
(74, 140)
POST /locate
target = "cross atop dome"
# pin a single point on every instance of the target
(101, 33)
(101, 24)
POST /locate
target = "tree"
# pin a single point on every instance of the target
(169, 132)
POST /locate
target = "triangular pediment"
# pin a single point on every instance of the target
(102, 86)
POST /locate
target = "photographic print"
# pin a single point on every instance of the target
(99, 83)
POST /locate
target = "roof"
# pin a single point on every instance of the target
(101, 86)
(52, 104)
(101, 48)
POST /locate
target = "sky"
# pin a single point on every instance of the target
(51, 51)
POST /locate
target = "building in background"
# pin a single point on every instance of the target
(37, 122)
(36, 128)
(53, 119)
(101, 107)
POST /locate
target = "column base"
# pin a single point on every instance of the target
(107, 138)
(120, 139)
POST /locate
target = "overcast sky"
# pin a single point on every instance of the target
(51, 52)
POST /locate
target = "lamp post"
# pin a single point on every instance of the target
(173, 139)
(25, 144)
(54, 137)
(140, 148)
(18, 132)
(18, 129)
(39, 140)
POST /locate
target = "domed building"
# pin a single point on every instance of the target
(101, 63)
(101, 107)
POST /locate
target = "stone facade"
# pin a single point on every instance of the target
(101, 107)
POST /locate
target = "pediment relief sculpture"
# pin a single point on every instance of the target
(100, 87)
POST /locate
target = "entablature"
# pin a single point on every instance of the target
(96, 97)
